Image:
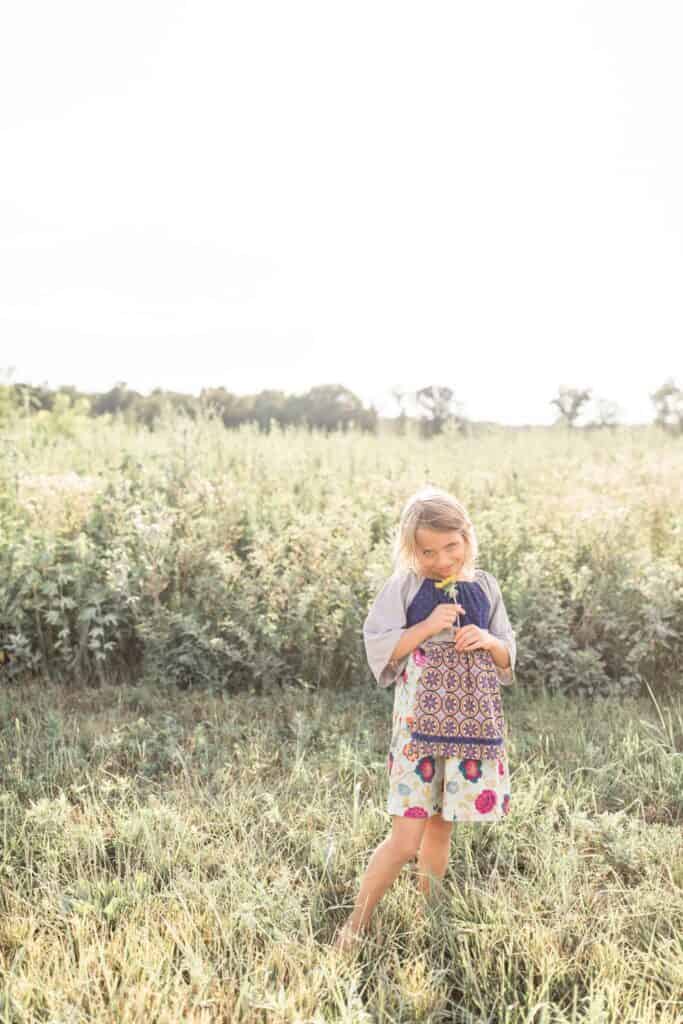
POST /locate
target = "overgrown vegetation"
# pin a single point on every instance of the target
(196, 555)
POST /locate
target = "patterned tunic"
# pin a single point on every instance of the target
(465, 789)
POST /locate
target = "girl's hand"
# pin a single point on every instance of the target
(443, 616)
(472, 638)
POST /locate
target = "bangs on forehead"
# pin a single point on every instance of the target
(450, 537)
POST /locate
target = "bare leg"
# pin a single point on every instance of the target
(383, 867)
(432, 858)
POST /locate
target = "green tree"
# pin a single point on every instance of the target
(10, 402)
(119, 399)
(569, 402)
(606, 415)
(67, 418)
(331, 407)
(439, 408)
(668, 400)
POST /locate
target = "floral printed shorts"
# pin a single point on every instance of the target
(461, 789)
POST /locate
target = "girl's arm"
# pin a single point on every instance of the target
(499, 652)
(410, 639)
(385, 628)
(502, 632)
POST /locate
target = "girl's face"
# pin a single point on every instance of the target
(440, 553)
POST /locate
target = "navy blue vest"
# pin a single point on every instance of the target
(470, 595)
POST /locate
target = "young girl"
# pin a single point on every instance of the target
(447, 760)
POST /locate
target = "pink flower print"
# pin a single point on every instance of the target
(415, 812)
(471, 768)
(505, 806)
(426, 768)
(501, 767)
(486, 801)
(419, 657)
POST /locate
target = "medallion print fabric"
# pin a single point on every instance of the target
(408, 597)
(461, 788)
(458, 710)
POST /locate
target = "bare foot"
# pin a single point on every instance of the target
(348, 938)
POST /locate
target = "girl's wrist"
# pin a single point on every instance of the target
(499, 652)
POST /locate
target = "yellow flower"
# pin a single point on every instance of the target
(451, 587)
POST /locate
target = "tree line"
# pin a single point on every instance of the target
(325, 407)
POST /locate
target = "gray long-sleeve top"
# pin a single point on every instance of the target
(386, 621)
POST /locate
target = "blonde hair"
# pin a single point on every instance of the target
(434, 509)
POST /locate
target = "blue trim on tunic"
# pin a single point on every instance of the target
(470, 595)
(462, 739)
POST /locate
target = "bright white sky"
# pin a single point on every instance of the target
(377, 194)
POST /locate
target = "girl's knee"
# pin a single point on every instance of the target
(405, 849)
(406, 836)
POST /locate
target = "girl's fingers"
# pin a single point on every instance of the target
(464, 642)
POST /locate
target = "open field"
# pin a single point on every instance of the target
(193, 751)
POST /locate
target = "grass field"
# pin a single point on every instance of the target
(181, 846)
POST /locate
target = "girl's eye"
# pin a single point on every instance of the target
(430, 553)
